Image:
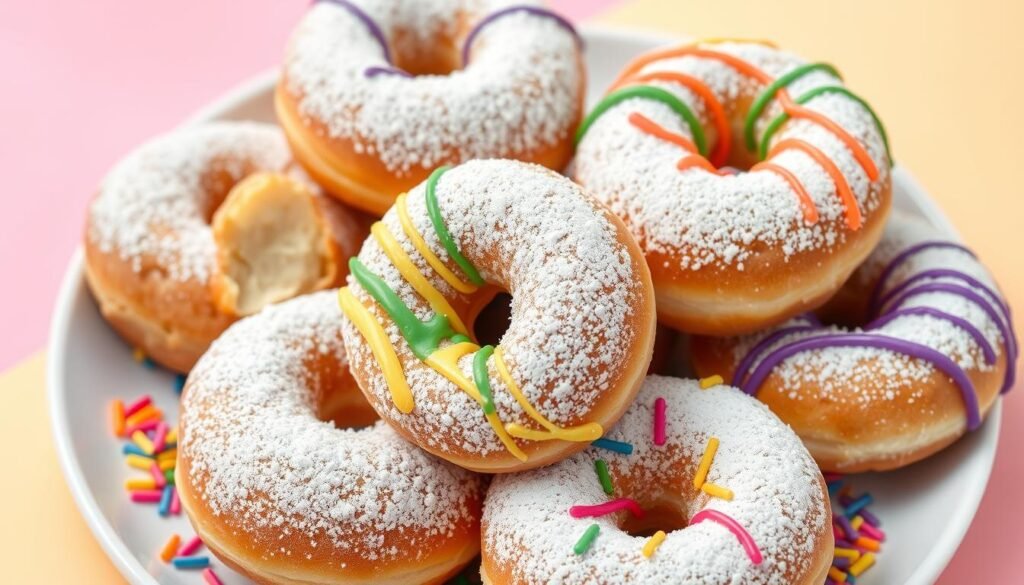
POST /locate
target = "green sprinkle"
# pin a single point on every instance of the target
(602, 474)
(434, 211)
(583, 544)
(769, 93)
(652, 93)
(781, 119)
(169, 476)
(483, 378)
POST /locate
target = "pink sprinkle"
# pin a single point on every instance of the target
(158, 475)
(144, 426)
(836, 533)
(138, 405)
(210, 577)
(146, 496)
(607, 508)
(659, 421)
(190, 547)
(872, 532)
(733, 526)
(175, 502)
(160, 437)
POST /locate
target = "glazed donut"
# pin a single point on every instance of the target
(768, 522)
(285, 483)
(582, 321)
(206, 224)
(734, 251)
(934, 349)
(376, 95)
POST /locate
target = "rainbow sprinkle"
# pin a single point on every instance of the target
(210, 577)
(705, 462)
(607, 508)
(170, 550)
(717, 491)
(583, 544)
(601, 467)
(190, 562)
(711, 381)
(190, 547)
(653, 543)
(858, 536)
(616, 446)
(659, 421)
(741, 534)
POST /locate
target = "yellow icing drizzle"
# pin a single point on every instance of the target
(412, 275)
(421, 246)
(720, 40)
(583, 433)
(446, 362)
(380, 345)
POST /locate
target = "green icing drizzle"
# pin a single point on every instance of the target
(769, 93)
(460, 338)
(442, 230)
(422, 337)
(781, 119)
(482, 378)
(652, 93)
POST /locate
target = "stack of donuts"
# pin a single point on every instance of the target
(633, 372)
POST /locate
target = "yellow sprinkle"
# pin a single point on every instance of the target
(856, 522)
(710, 381)
(653, 543)
(138, 462)
(140, 439)
(837, 575)
(165, 455)
(148, 412)
(165, 464)
(140, 483)
(705, 462)
(849, 553)
(172, 436)
(138, 355)
(863, 564)
(717, 491)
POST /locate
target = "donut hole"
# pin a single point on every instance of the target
(493, 320)
(336, 396)
(661, 515)
(425, 56)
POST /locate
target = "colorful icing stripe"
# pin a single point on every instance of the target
(467, 45)
(377, 70)
(806, 202)
(851, 210)
(606, 508)
(424, 250)
(652, 93)
(746, 541)
(371, 25)
(434, 211)
(766, 96)
(482, 377)
(979, 338)
(648, 126)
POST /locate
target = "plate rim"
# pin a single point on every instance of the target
(927, 572)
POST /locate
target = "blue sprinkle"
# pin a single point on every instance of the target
(165, 500)
(191, 562)
(133, 449)
(617, 446)
(833, 486)
(858, 504)
(179, 383)
(148, 363)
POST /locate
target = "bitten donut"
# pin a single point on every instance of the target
(376, 94)
(283, 481)
(206, 224)
(582, 321)
(705, 487)
(933, 350)
(754, 181)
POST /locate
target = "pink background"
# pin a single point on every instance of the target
(87, 81)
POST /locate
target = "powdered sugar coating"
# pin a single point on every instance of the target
(576, 293)
(261, 460)
(154, 204)
(777, 498)
(519, 93)
(863, 376)
(701, 220)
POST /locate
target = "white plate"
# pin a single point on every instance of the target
(925, 508)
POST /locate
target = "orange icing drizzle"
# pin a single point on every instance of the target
(715, 108)
(853, 216)
(648, 126)
(810, 210)
(700, 162)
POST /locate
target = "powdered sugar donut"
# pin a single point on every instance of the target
(375, 95)
(934, 350)
(581, 331)
(281, 487)
(727, 490)
(203, 225)
(731, 252)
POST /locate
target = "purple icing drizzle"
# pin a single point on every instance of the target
(370, 24)
(534, 10)
(974, 332)
(376, 70)
(880, 300)
(875, 341)
(911, 251)
(748, 360)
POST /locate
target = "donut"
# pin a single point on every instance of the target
(287, 479)
(374, 95)
(754, 181)
(716, 491)
(579, 339)
(203, 225)
(928, 349)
